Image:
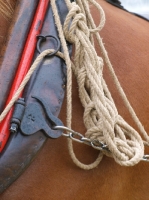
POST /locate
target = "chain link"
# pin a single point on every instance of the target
(96, 144)
(78, 137)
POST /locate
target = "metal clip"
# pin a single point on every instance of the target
(34, 119)
(145, 158)
(17, 115)
(42, 38)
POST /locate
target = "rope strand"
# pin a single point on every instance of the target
(26, 79)
(101, 117)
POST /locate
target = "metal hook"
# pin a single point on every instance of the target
(34, 119)
(42, 38)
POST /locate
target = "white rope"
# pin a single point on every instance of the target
(101, 117)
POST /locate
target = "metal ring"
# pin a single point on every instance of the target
(145, 158)
(42, 38)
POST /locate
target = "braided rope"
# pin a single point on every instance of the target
(101, 117)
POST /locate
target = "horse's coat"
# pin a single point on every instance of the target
(6, 11)
(53, 175)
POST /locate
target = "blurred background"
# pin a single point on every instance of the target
(140, 7)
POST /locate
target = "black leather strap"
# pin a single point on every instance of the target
(47, 82)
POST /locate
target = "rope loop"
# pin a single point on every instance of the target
(75, 20)
(102, 17)
(101, 118)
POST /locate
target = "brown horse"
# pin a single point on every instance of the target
(53, 175)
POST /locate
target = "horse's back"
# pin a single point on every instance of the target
(53, 175)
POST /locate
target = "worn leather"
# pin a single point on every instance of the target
(48, 84)
(53, 175)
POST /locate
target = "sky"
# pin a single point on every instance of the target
(137, 6)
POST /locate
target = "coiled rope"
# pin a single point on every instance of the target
(101, 117)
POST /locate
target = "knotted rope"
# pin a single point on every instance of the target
(101, 117)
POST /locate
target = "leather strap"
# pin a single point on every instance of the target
(21, 150)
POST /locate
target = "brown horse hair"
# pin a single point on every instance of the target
(7, 9)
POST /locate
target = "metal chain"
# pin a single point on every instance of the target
(96, 144)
